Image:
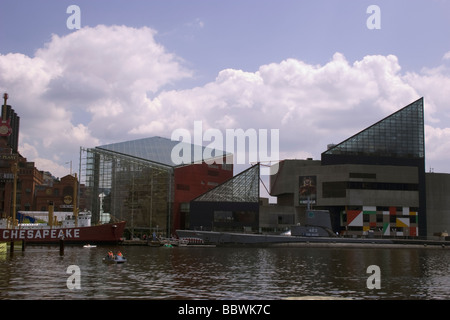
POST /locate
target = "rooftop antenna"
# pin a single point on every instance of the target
(5, 128)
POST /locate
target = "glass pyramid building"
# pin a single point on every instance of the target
(243, 187)
(159, 150)
(397, 140)
(231, 206)
(400, 135)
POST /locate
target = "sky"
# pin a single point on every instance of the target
(316, 71)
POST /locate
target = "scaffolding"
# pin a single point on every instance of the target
(123, 187)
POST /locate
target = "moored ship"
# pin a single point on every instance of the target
(73, 229)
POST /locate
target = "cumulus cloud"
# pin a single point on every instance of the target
(107, 84)
(309, 104)
(447, 56)
(103, 73)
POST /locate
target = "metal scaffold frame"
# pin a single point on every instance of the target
(127, 188)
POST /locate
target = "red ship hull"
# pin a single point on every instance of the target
(104, 233)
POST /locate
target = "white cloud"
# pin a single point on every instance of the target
(106, 84)
(103, 73)
(311, 105)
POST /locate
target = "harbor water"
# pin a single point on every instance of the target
(222, 273)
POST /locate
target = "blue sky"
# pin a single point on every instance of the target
(214, 35)
(214, 61)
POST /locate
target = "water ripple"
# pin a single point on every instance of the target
(226, 273)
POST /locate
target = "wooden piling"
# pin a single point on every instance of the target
(61, 246)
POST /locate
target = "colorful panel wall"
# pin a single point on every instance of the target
(386, 221)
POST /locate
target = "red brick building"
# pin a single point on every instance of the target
(28, 179)
(32, 190)
(192, 181)
(61, 193)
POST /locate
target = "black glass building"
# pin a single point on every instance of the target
(371, 183)
(397, 140)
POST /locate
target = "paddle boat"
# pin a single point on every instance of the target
(111, 258)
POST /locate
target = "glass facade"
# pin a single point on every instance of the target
(244, 187)
(396, 140)
(136, 181)
(161, 150)
(231, 206)
(400, 135)
(155, 149)
(123, 187)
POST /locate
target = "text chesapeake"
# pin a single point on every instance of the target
(35, 234)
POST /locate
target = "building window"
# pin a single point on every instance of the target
(360, 175)
(382, 186)
(226, 166)
(213, 173)
(223, 216)
(286, 219)
(185, 207)
(184, 187)
(335, 189)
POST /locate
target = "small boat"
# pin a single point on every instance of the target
(118, 258)
(89, 246)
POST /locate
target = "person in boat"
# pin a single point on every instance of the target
(110, 255)
(119, 255)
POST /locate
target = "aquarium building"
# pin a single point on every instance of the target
(137, 181)
(372, 183)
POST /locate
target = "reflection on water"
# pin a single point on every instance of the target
(226, 273)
